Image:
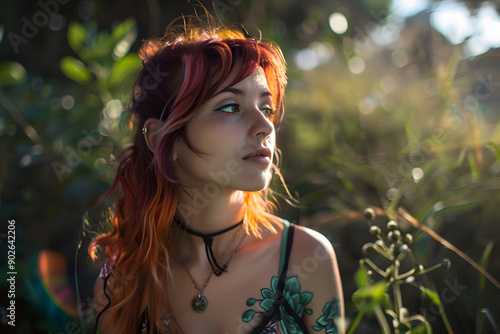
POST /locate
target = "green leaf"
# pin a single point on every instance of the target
(404, 327)
(123, 36)
(378, 291)
(361, 277)
(266, 304)
(305, 298)
(11, 72)
(75, 69)
(496, 150)
(484, 264)
(375, 292)
(420, 329)
(274, 283)
(121, 30)
(473, 167)
(251, 301)
(433, 296)
(462, 205)
(77, 36)
(292, 285)
(248, 315)
(102, 45)
(127, 66)
(266, 293)
(371, 297)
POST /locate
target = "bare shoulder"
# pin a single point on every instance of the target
(314, 264)
(309, 242)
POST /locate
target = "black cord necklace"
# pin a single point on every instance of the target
(208, 239)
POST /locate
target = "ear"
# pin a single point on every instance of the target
(150, 130)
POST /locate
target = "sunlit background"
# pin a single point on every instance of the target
(389, 103)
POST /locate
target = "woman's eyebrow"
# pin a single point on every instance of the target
(237, 91)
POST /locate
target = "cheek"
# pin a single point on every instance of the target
(212, 138)
(272, 141)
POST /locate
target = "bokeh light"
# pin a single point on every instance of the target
(57, 23)
(114, 109)
(338, 23)
(477, 30)
(356, 65)
(52, 270)
(317, 54)
(67, 102)
(417, 174)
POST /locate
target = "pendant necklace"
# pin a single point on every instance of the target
(199, 302)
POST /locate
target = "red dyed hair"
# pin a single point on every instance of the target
(181, 71)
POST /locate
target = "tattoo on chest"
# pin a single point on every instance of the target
(290, 306)
(292, 296)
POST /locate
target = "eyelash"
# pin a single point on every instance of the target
(232, 105)
(269, 111)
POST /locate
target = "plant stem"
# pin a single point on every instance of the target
(356, 322)
(398, 301)
(382, 321)
(375, 267)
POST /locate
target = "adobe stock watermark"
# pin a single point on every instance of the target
(150, 81)
(447, 296)
(30, 28)
(309, 264)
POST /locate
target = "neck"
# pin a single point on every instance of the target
(207, 215)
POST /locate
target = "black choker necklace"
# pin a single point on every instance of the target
(208, 239)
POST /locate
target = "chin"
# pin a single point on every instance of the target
(254, 189)
(257, 185)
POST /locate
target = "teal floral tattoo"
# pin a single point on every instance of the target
(331, 310)
(295, 298)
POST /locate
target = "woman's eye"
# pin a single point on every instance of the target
(229, 108)
(268, 111)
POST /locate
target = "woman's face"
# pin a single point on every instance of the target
(234, 135)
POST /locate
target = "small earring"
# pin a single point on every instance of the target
(145, 131)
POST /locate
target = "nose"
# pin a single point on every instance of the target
(262, 127)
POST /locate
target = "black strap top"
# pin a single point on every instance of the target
(280, 300)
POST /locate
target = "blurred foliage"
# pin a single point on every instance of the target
(421, 134)
(415, 126)
(62, 135)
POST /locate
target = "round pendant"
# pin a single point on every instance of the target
(199, 304)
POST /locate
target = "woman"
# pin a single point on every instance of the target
(195, 248)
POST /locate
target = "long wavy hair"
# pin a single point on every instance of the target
(181, 71)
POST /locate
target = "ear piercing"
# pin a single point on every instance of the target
(144, 131)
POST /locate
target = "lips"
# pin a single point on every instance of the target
(261, 155)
